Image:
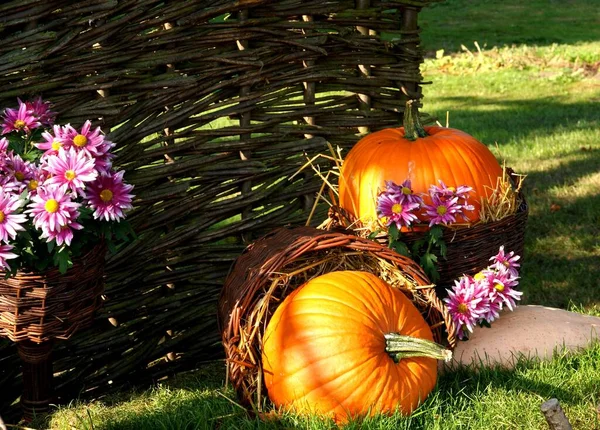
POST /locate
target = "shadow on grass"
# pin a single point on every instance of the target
(509, 120)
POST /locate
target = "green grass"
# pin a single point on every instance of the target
(466, 399)
(537, 105)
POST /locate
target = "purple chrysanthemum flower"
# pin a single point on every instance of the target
(19, 120)
(467, 302)
(390, 207)
(442, 211)
(506, 261)
(41, 110)
(109, 196)
(91, 142)
(5, 254)
(10, 220)
(461, 194)
(21, 171)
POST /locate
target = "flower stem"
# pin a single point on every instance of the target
(400, 346)
(413, 129)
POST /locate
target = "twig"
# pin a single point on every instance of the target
(555, 416)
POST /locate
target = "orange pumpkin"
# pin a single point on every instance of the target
(423, 154)
(346, 344)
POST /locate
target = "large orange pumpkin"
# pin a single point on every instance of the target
(346, 344)
(422, 154)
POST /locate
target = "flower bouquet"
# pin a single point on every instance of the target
(59, 195)
(61, 205)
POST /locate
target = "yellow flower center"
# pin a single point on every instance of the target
(498, 286)
(51, 206)
(406, 191)
(441, 210)
(462, 308)
(506, 263)
(19, 124)
(397, 208)
(19, 175)
(56, 145)
(107, 195)
(32, 185)
(479, 276)
(80, 140)
(2, 217)
(451, 189)
(70, 175)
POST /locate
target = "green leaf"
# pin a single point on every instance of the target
(435, 233)
(50, 245)
(393, 232)
(400, 248)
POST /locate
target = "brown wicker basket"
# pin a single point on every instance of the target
(270, 268)
(468, 248)
(40, 307)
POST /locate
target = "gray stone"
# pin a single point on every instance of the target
(529, 331)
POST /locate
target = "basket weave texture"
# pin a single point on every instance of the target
(468, 248)
(40, 307)
(210, 117)
(273, 266)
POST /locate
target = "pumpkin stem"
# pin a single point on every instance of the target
(400, 346)
(413, 129)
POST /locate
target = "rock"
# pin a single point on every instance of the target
(529, 331)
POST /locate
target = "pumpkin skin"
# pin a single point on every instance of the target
(446, 154)
(324, 349)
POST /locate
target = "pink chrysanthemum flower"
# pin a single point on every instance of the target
(52, 208)
(71, 169)
(41, 110)
(445, 193)
(85, 140)
(38, 177)
(5, 254)
(10, 185)
(442, 211)
(104, 160)
(506, 261)
(494, 307)
(52, 142)
(19, 120)
(63, 234)
(3, 145)
(21, 171)
(502, 288)
(406, 193)
(467, 303)
(10, 220)
(390, 207)
(109, 196)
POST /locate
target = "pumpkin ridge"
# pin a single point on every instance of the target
(480, 180)
(441, 145)
(345, 373)
(341, 302)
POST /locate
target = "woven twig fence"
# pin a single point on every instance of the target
(213, 105)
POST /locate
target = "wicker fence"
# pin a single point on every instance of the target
(213, 104)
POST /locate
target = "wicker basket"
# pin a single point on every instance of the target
(40, 307)
(273, 266)
(468, 248)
